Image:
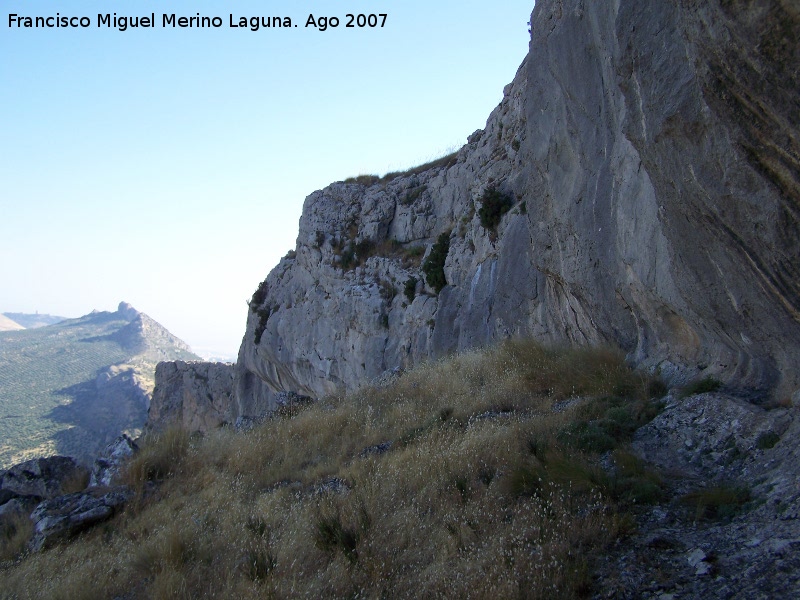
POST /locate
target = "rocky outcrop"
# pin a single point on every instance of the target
(65, 516)
(638, 185)
(44, 478)
(108, 466)
(714, 449)
(194, 395)
(53, 494)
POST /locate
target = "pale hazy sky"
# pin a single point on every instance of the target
(168, 167)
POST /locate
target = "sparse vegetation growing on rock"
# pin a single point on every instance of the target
(410, 288)
(494, 204)
(433, 267)
(250, 515)
(701, 386)
(721, 502)
(767, 440)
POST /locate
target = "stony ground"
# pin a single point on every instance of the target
(699, 444)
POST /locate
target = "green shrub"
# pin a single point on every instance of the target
(363, 179)
(259, 296)
(364, 249)
(410, 288)
(433, 267)
(259, 564)
(348, 258)
(263, 316)
(494, 204)
(413, 194)
(15, 531)
(605, 423)
(446, 162)
(332, 535)
(387, 290)
(162, 455)
(588, 436)
(632, 482)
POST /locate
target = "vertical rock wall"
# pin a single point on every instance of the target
(649, 154)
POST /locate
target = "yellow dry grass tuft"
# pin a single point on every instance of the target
(477, 495)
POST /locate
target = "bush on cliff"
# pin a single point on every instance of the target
(433, 267)
(494, 204)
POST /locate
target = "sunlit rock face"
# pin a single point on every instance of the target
(647, 153)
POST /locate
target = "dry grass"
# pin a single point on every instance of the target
(15, 531)
(477, 497)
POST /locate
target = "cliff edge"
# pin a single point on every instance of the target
(638, 185)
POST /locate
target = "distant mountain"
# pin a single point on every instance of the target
(33, 321)
(7, 324)
(71, 387)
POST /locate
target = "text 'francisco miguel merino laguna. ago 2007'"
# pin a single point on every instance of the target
(123, 23)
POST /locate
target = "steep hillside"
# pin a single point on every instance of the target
(509, 472)
(7, 324)
(32, 321)
(70, 388)
(638, 185)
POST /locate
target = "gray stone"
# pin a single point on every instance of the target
(377, 449)
(63, 517)
(289, 403)
(44, 477)
(107, 467)
(194, 395)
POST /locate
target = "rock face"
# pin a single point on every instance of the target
(650, 157)
(194, 395)
(708, 443)
(107, 467)
(43, 478)
(65, 516)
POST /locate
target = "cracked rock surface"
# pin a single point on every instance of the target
(650, 155)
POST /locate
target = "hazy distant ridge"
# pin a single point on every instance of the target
(71, 387)
(7, 324)
(33, 321)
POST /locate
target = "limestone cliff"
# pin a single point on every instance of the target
(639, 185)
(194, 395)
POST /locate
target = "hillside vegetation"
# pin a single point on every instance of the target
(477, 476)
(70, 388)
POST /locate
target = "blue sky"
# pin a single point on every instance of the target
(168, 167)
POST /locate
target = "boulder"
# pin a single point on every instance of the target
(194, 395)
(63, 517)
(45, 478)
(107, 466)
